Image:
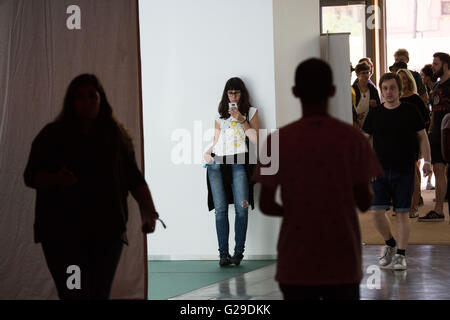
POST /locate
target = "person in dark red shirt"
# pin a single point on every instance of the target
(324, 170)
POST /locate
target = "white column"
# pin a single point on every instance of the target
(335, 49)
(189, 50)
(296, 38)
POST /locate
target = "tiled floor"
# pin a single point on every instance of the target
(427, 278)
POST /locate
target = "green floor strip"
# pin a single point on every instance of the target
(168, 279)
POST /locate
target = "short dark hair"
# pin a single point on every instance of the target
(444, 57)
(313, 81)
(367, 59)
(427, 70)
(388, 76)
(361, 67)
(402, 52)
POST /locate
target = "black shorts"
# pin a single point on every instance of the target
(395, 186)
(436, 150)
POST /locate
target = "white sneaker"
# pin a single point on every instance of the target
(386, 257)
(399, 262)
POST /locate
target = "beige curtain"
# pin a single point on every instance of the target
(39, 56)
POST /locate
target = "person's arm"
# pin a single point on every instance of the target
(369, 138)
(425, 98)
(144, 198)
(423, 110)
(267, 202)
(363, 195)
(445, 139)
(216, 138)
(367, 128)
(253, 124)
(43, 170)
(425, 151)
(147, 209)
(431, 122)
(246, 125)
(135, 183)
(374, 97)
(366, 168)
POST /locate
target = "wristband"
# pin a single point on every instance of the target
(426, 162)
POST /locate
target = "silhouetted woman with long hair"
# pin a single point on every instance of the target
(82, 166)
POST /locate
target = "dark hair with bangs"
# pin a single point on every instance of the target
(360, 67)
(244, 102)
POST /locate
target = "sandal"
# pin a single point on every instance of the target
(432, 216)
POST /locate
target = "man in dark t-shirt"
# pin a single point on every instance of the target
(440, 100)
(395, 128)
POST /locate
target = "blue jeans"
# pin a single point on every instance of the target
(240, 196)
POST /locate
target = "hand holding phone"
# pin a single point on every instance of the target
(232, 105)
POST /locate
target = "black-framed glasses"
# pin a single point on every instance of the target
(234, 93)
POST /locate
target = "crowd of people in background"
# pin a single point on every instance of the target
(404, 127)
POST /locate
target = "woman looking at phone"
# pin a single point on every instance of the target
(229, 169)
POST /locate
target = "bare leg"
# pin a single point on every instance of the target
(382, 223)
(416, 194)
(403, 227)
(441, 186)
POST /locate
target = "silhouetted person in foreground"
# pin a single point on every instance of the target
(319, 246)
(82, 166)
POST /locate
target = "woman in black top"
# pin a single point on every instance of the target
(409, 95)
(82, 166)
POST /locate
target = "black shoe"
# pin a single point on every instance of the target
(236, 260)
(225, 261)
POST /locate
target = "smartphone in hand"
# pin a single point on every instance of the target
(232, 105)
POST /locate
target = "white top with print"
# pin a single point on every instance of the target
(232, 136)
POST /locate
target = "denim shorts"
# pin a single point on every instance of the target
(395, 186)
